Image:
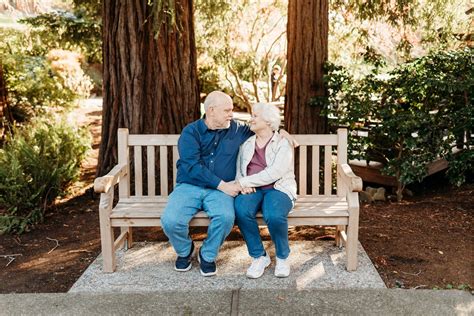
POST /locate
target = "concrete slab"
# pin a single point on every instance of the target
(148, 267)
(355, 302)
(244, 302)
(163, 303)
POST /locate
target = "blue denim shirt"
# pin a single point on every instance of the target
(208, 156)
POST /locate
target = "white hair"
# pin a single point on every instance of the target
(269, 113)
(216, 98)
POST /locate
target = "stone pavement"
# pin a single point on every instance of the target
(148, 267)
(244, 302)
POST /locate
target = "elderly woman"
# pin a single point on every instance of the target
(265, 173)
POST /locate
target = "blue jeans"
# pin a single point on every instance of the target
(275, 206)
(184, 202)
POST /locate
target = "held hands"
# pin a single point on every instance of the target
(234, 188)
(247, 190)
(244, 190)
(229, 188)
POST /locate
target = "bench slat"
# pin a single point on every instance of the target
(308, 198)
(123, 151)
(172, 139)
(164, 170)
(302, 177)
(152, 140)
(155, 210)
(315, 171)
(327, 170)
(175, 159)
(319, 140)
(341, 158)
(204, 221)
(137, 157)
(151, 169)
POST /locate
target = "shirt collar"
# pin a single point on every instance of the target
(203, 127)
(276, 136)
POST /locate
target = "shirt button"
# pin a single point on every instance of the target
(215, 143)
(212, 154)
(212, 161)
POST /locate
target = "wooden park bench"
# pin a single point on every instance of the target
(327, 189)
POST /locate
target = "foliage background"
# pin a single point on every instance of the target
(418, 112)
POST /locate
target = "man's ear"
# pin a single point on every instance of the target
(209, 111)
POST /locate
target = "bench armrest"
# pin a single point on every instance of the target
(352, 182)
(104, 183)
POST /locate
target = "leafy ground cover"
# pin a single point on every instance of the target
(423, 242)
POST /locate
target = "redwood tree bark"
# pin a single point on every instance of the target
(307, 33)
(149, 85)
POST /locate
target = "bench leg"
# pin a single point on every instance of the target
(106, 232)
(351, 244)
(338, 239)
(129, 240)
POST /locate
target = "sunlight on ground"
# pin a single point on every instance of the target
(338, 258)
(465, 309)
(310, 276)
(42, 263)
(159, 253)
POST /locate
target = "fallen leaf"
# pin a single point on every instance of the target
(440, 252)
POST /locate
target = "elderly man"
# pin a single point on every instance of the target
(206, 169)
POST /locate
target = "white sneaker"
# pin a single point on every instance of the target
(282, 268)
(258, 266)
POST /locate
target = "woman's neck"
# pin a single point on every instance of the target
(263, 136)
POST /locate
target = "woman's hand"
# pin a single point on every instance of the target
(247, 190)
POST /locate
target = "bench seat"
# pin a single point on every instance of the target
(308, 212)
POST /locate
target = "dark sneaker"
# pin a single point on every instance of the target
(184, 264)
(207, 268)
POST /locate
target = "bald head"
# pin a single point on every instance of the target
(218, 107)
(216, 98)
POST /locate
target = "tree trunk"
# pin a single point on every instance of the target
(307, 33)
(150, 85)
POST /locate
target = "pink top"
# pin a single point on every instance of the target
(258, 163)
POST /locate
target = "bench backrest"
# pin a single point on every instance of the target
(155, 157)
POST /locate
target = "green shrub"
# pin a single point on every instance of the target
(67, 65)
(33, 84)
(76, 31)
(37, 165)
(415, 114)
(208, 76)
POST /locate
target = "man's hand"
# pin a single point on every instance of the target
(229, 188)
(289, 138)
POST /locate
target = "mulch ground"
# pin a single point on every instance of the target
(426, 241)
